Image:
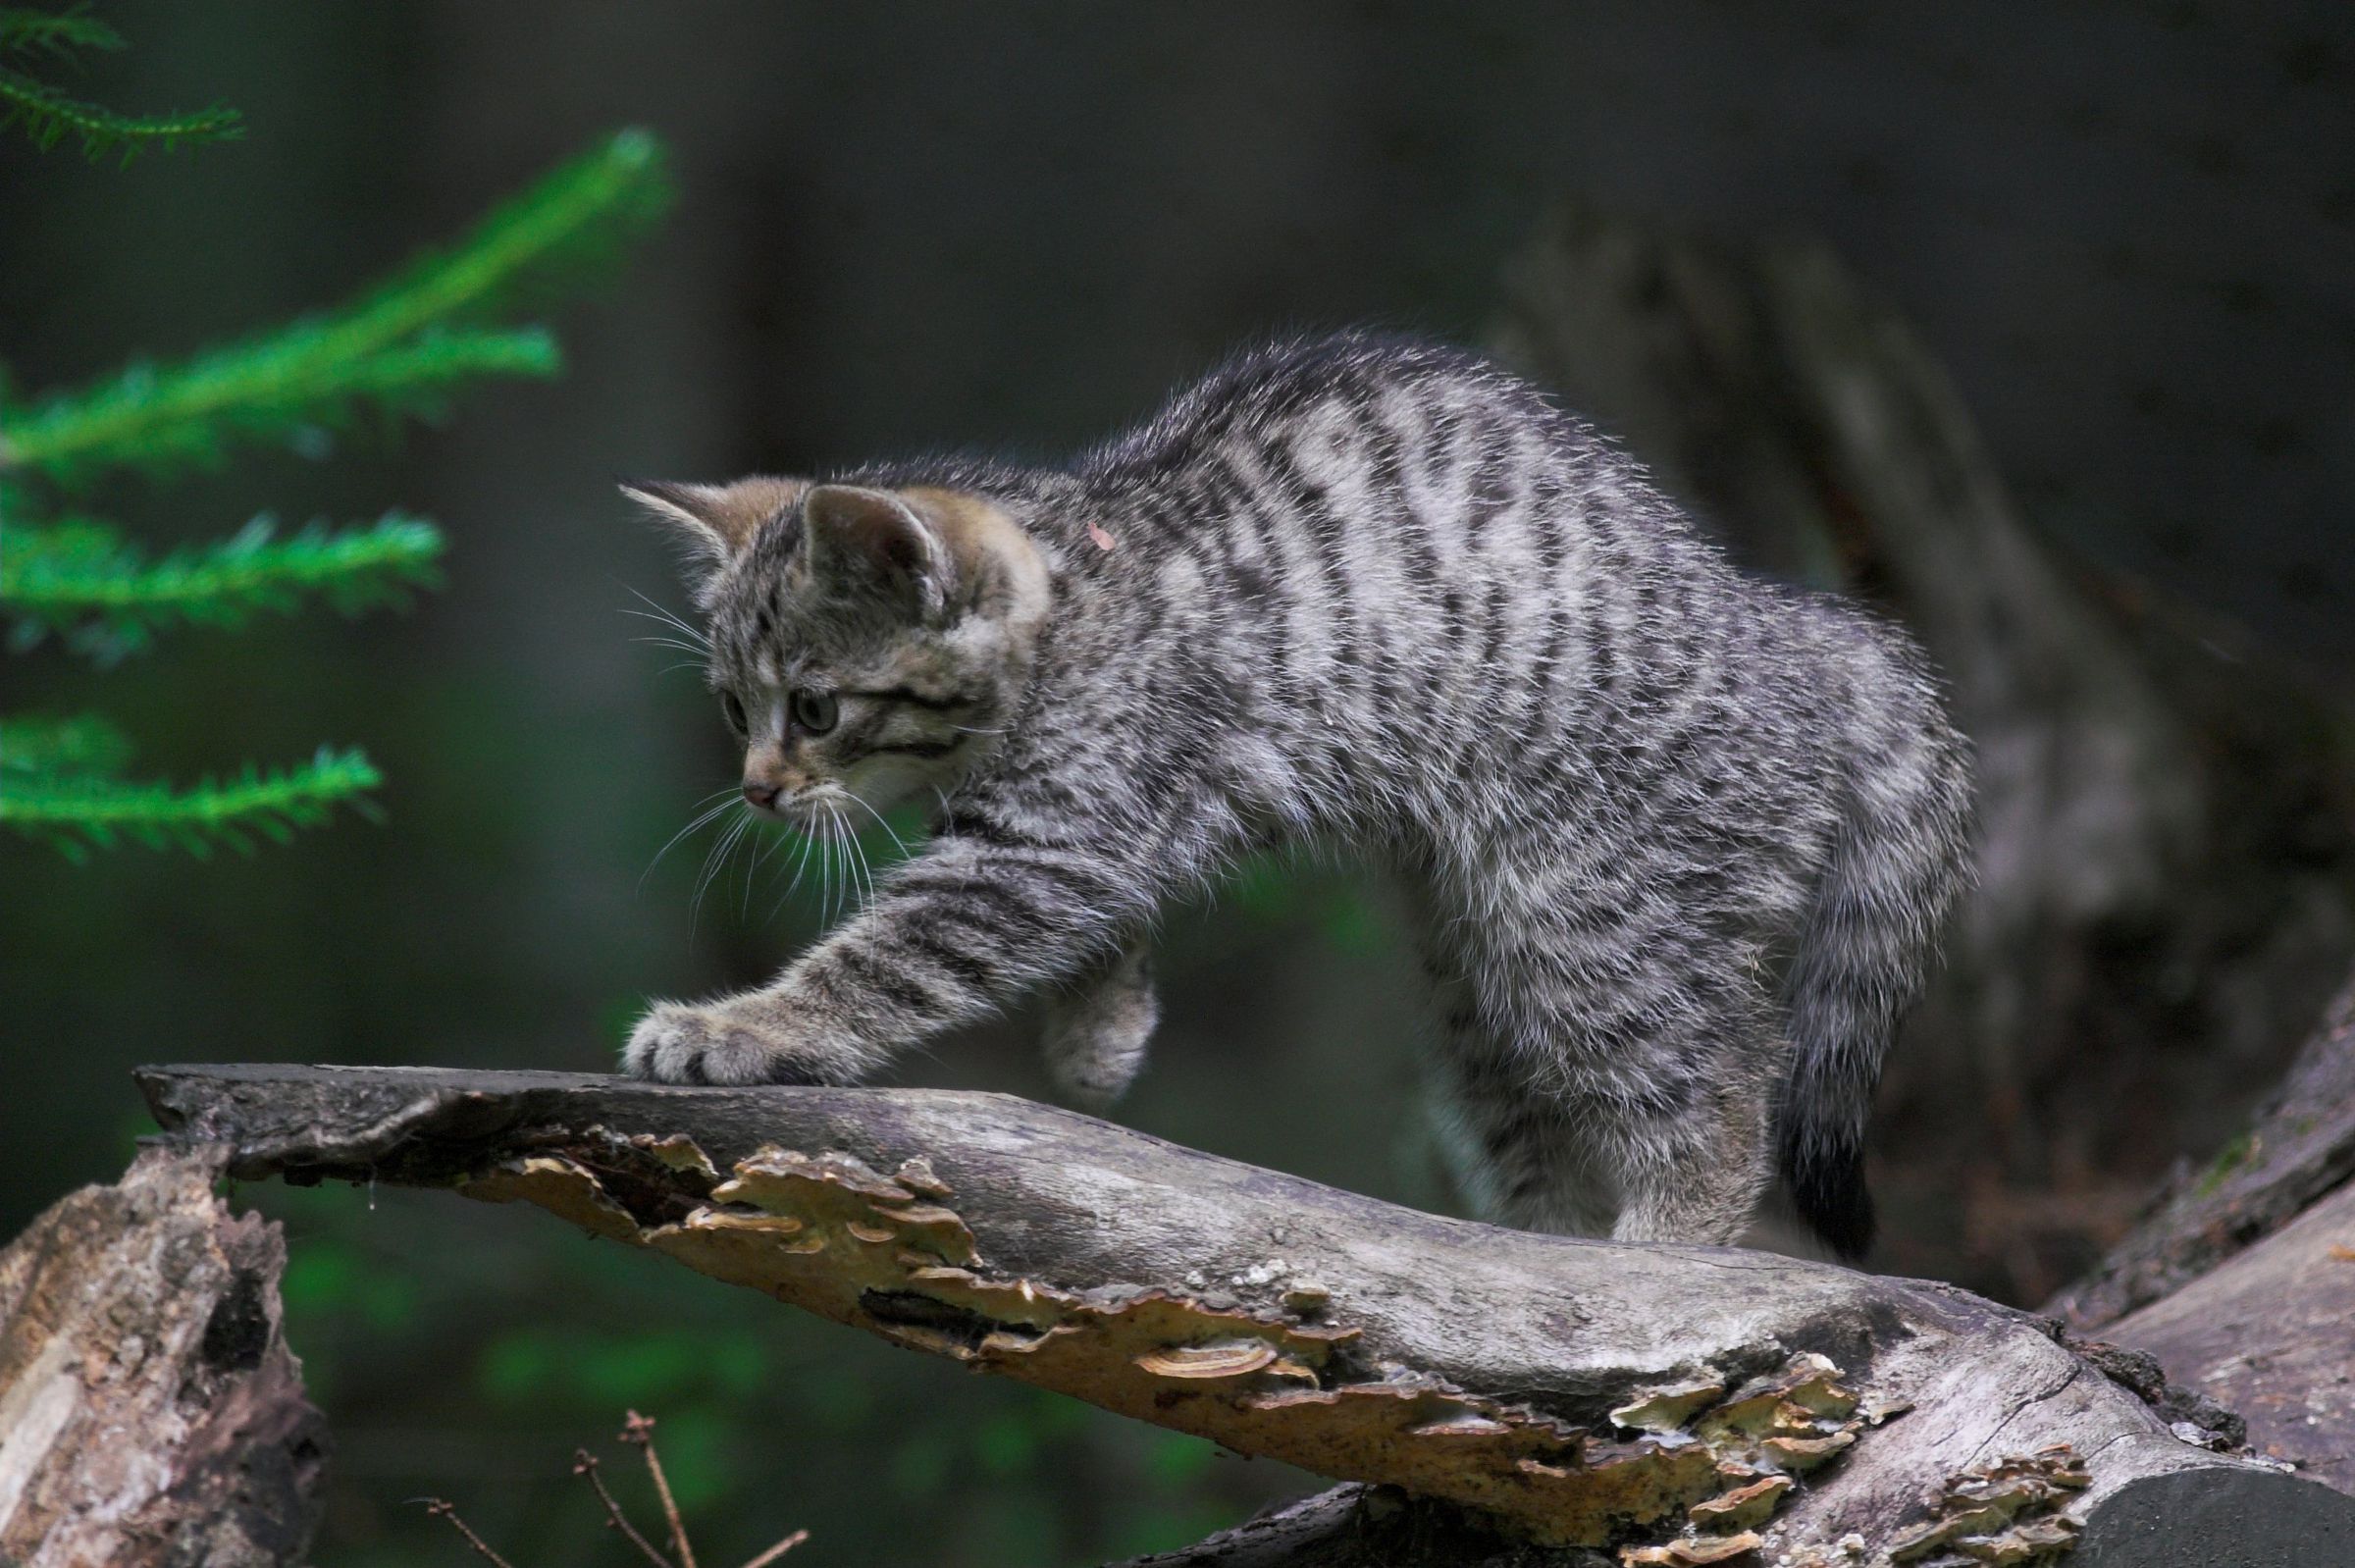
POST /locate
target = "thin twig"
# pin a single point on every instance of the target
(779, 1549)
(449, 1511)
(584, 1463)
(640, 1430)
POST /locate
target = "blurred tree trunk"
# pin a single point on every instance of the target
(2167, 863)
(150, 1413)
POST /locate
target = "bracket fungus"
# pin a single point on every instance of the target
(832, 1235)
(1672, 1405)
(2007, 1513)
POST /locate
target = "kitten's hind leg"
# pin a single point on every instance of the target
(1516, 1154)
(1545, 1174)
(1697, 1178)
(1097, 1027)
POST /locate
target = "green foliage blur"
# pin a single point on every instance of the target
(398, 351)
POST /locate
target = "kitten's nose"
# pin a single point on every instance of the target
(763, 796)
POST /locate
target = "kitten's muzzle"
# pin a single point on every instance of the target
(762, 797)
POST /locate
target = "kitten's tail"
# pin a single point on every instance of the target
(1897, 867)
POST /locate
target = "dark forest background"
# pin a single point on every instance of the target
(2124, 231)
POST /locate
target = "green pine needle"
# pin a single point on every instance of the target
(49, 114)
(402, 348)
(398, 346)
(80, 581)
(57, 33)
(76, 813)
(283, 388)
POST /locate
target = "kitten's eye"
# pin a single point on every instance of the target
(735, 712)
(816, 711)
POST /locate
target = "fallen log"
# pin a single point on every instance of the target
(1675, 1405)
(2265, 1336)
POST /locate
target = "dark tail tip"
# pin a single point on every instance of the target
(1827, 1187)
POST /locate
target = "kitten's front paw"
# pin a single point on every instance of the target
(681, 1043)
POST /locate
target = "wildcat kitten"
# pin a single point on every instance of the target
(1677, 841)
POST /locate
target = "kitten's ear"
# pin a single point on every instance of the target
(716, 522)
(873, 537)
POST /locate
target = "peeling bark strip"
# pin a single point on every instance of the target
(150, 1413)
(1663, 1403)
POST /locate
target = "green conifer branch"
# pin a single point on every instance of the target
(78, 812)
(157, 419)
(577, 214)
(49, 114)
(80, 580)
(383, 348)
(57, 33)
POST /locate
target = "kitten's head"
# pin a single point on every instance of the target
(867, 644)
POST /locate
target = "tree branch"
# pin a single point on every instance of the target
(1565, 1393)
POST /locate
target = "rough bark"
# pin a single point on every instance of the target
(2299, 1147)
(1532, 1391)
(150, 1413)
(2265, 1334)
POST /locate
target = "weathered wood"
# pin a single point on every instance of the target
(150, 1413)
(2299, 1146)
(1358, 1526)
(2179, 1520)
(2268, 1334)
(1577, 1393)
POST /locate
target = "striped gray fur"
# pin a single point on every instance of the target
(1677, 841)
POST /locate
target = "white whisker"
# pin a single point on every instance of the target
(801, 865)
(842, 842)
(867, 873)
(713, 862)
(700, 818)
(866, 869)
(854, 864)
(825, 875)
(898, 841)
(666, 616)
(744, 910)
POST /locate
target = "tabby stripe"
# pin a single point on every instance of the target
(925, 749)
(917, 699)
(861, 968)
(921, 933)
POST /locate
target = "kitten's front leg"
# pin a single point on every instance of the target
(958, 931)
(753, 1037)
(1098, 1026)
